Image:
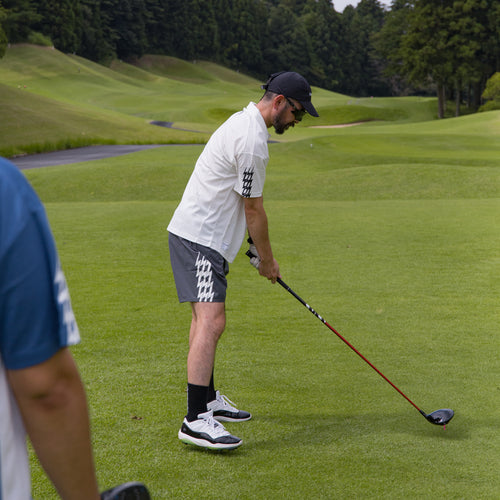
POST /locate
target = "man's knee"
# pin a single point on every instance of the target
(215, 325)
(210, 317)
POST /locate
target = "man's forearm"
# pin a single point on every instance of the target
(258, 229)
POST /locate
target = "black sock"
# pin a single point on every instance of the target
(197, 401)
(211, 389)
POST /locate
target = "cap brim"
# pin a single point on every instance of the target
(310, 108)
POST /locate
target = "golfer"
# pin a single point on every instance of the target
(222, 200)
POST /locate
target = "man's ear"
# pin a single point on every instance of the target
(277, 101)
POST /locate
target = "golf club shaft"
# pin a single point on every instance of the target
(302, 301)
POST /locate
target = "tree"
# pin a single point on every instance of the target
(182, 28)
(202, 31)
(241, 30)
(492, 93)
(20, 17)
(322, 23)
(468, 33)
(387, 44)
(3, 36)
(488, 56)
(446, 42)
(155, 17)
(58, 20)
(362, 73)
(289, 45)
(93, 43)
(124, 27)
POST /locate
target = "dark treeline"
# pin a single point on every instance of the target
(446, 46)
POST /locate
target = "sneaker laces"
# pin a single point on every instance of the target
(227, 404)
(216, 428)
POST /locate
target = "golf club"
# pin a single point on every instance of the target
(438, 417)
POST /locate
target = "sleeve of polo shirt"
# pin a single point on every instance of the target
(36, 316)
(251, 172)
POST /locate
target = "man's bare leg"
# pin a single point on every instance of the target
(207, 324)
(199, 427)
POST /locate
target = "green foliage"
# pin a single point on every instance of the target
(38, 39)
(21, 17)
(492, 93)
(257, 37)
(323, 26)
(364, 51)
(96, 39)
(490, 106)
(452, 44)
(362, 73)
(291, 47)
(3, 42)
(59, 22)
(127, 26)
(3, 36)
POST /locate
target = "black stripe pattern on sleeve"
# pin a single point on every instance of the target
(247, 183)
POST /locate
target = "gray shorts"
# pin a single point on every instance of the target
(199, 272)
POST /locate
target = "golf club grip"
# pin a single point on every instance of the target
(303, 302)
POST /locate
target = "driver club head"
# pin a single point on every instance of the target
(440, 417)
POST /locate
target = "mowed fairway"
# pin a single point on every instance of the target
(391, 231)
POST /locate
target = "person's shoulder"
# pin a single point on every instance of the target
(15, 190)
(248, 113)
(248, 119)
(8, 171)
(11, 179)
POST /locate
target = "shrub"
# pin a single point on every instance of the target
(36, 38)
(492, 94)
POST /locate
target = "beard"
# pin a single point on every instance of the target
(279, 124)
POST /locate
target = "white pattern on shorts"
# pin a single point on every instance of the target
(205, 281)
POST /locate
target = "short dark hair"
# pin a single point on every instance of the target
(268, 95)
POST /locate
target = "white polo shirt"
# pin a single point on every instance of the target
(231, 167)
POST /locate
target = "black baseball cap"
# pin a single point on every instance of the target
(291, 84)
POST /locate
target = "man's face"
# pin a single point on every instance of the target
(285, 118)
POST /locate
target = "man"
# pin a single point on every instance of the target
(40, 388)
(222, 200)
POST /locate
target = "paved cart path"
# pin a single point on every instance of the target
(76, 155)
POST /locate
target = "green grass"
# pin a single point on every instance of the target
(390, 230)
(410, 280)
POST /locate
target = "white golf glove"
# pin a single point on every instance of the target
(253, 254)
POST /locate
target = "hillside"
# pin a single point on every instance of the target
(51, 100)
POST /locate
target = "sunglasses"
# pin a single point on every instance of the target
(298, 113)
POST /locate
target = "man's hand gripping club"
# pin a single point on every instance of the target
(256, 261)
(253, 254)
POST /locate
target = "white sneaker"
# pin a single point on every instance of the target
(224, 411)
(207, 433)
